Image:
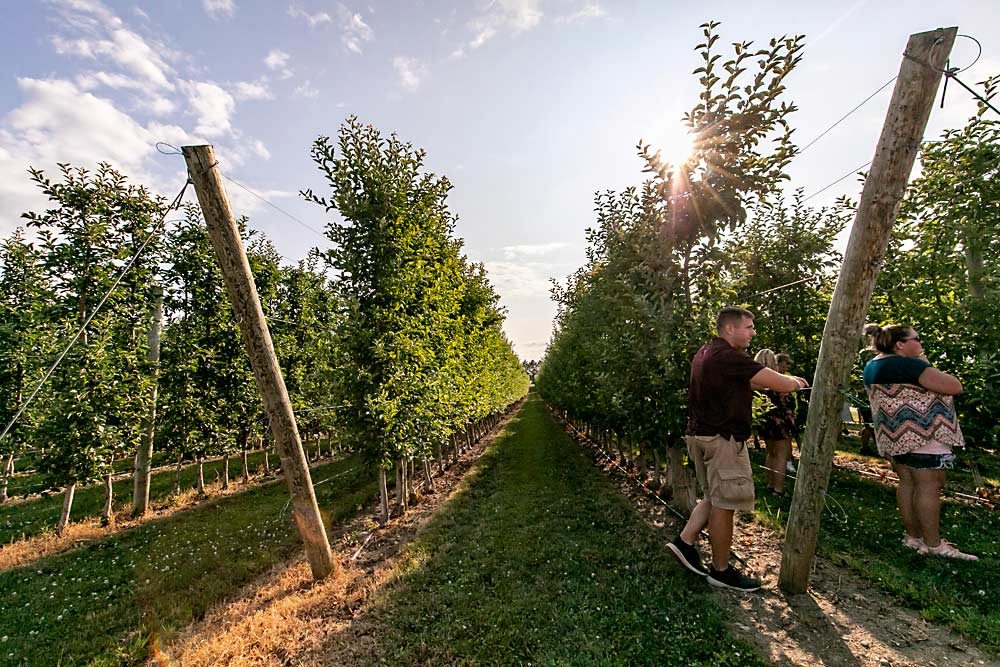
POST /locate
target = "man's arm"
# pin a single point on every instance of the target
(768, 379)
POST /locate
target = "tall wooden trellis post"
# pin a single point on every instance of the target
(225, 235)
(916, 87)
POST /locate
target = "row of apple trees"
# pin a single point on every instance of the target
(426, 368)
(106, 399)
(663, 258)
(717, 230)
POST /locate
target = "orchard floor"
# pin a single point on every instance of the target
(528, 553)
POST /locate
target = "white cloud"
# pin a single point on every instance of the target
(261, 150)
(354, 30)
(312, 19)
(217, 8)
(161, 106)
(253, 90)
(306, 89)
(518, 279)
(277, 60)
(212, 105)
(500, 15)
(411, 72)
(532, 250)
(590, 10)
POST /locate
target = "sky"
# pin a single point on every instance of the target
(529, 107)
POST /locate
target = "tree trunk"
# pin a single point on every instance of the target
(427, 474)
(401, 487)
(108, 500)
(8, 472)
(411, 474)
(657, 477)
(682, 486)
(621, 452)
(144, 453)
(201, 476)
(246, 466)
(66, 508)
(267, 461)
(440, 457)
(643, 471)
(225, 471)
(177, 475)
(383, 494)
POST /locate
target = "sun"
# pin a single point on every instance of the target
(677, 146)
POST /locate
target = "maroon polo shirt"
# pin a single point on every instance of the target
(719, 393)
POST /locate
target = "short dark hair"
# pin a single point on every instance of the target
(731, 315)
(783, 356)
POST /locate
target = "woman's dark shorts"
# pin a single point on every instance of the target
(926, 461)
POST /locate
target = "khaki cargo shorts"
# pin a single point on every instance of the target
(723, 468)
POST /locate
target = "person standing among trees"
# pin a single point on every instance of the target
(778, 424)
(720, 395)
(913, 411)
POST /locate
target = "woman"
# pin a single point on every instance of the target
(777, 426)
(913, 411)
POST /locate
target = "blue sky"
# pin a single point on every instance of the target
(528, 106)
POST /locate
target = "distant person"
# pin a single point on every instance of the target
(784, 365)
(777, 427)
(913, 411)
(720, 395)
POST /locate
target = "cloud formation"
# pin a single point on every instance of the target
(217, 8)
(411, 72)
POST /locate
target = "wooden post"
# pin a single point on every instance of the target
(225, 236)
(144, 454)
(919, 75)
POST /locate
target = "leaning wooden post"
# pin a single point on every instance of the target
(246, 305)
(919, 75)
(144, 454)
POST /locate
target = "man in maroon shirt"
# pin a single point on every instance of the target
(720, 395)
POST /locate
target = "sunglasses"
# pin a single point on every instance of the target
(907, 340)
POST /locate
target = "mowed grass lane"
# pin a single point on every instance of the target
(539, 560)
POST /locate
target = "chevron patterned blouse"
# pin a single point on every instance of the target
(908, 417)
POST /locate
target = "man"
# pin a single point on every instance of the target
(720, 394)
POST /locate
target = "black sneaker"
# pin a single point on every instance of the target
(732, 579)
(688, 556)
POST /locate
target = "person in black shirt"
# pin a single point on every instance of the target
(720, 395)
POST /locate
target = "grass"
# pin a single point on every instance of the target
(32, 517)
(107, 602)
(963, 595)
(539, 560)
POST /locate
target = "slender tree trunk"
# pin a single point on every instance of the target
(66, 508)
(201, 476)
(225, 471)
(657, 477)
(455, 448)
(177, 475)
(144, 453)
(427, 474)
(440, 457)
(8, 472)
(621, 452)
(246, 465)
(267, 460)
(643, 471)
(411, 474)
(400, 487)
(108, 499)
(383, 494)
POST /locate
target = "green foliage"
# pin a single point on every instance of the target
(421, 352)
(97, 397)
(662, 260)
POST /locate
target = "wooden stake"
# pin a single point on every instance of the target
(202, 167)
(144, 454)
(919, 75)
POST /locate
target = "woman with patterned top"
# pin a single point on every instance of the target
(777, 426)
(913, 413)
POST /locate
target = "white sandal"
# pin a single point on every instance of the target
(949, 550)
